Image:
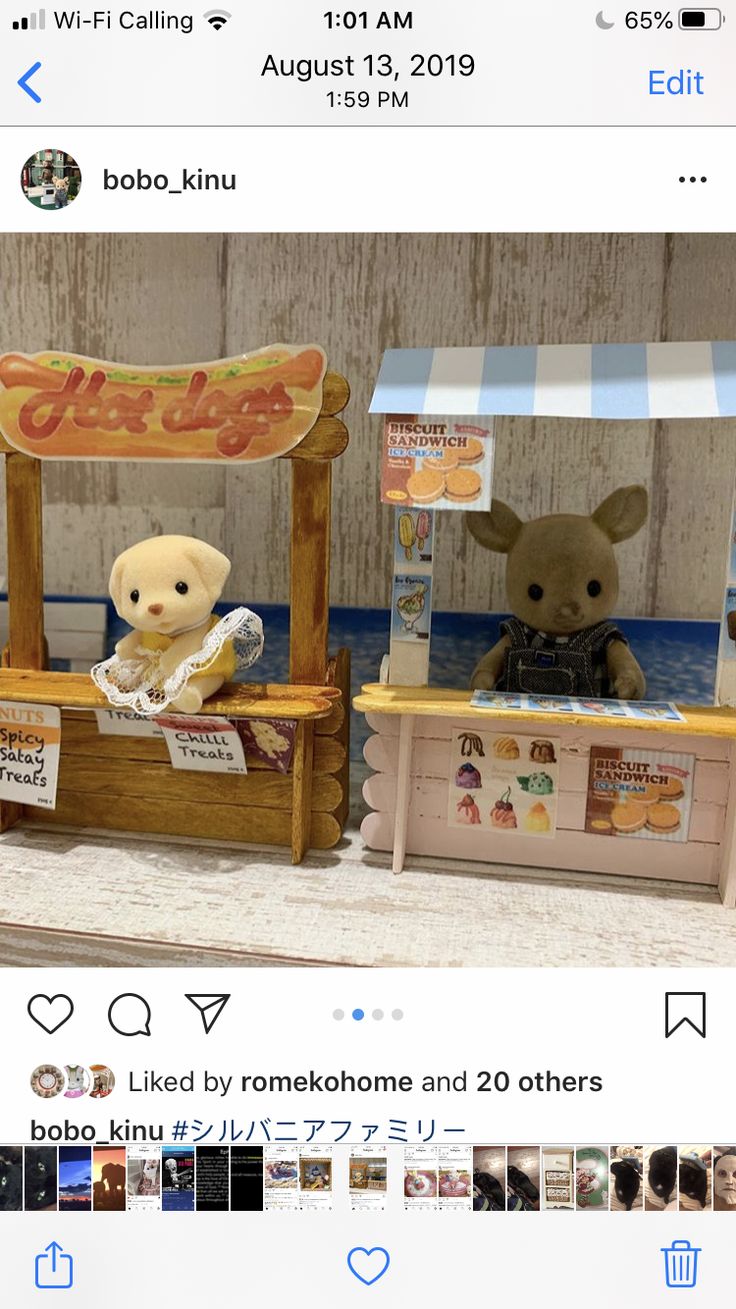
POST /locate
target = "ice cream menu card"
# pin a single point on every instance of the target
(501, 782)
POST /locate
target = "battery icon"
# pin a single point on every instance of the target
(700, 20)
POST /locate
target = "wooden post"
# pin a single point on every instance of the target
(301, 814)
(726, 666)
(26, 647)
(727, 872)
(311, 511)
(403, 780)
(25, 561)
(309, 621)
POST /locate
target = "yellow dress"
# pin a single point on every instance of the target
(223, 665)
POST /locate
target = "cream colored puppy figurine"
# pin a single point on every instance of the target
(179, 653)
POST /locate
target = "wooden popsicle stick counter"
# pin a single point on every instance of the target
(109, 781)
(233, 700)
(410, 753)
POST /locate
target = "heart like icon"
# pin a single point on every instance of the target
(368, 1265)
(50, 1011)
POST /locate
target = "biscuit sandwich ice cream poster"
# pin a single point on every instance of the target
(503, 782)
(642, 793)
(437, 462)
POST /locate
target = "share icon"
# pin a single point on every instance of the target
(210, 1007)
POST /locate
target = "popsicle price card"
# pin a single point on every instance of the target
(414, 532)
(30, 742)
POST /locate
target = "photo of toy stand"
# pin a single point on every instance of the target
(540, 780)
(279, 402)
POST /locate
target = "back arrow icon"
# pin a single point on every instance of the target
(24, 80)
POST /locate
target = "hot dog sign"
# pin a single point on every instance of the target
(254, 407)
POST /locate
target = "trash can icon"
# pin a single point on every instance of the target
(681, 1263)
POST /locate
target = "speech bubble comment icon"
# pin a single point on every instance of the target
(130, 1015)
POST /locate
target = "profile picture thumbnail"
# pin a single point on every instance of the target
(47, 1081)
(103, 1081)
(51, 179)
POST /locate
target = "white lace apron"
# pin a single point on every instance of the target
(138, 684)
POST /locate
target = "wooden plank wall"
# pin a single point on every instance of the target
(163, 298)
(109, 782)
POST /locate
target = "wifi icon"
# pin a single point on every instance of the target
(217, 18)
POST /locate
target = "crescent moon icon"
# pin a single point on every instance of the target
(601, 22)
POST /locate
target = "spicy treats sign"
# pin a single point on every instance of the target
(247, 409)
(30, 743)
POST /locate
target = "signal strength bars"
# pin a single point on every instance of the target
(32, 23)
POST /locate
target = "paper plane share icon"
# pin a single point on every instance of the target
(210, 1007)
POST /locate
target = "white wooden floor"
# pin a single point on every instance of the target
(90, 898)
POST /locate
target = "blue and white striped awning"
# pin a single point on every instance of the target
(695, 379)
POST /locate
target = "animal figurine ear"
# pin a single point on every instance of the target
(497, 530)
(116, 580)
(213, 566)
(622, 513)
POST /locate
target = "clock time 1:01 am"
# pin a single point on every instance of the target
(352, 21)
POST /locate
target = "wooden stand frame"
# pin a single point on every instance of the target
(410, 753)
(126, 783)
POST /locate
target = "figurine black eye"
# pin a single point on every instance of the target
(135, 596)
(535, 592)
(594, 588)
(181, 587)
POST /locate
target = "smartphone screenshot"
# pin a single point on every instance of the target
(367, 653)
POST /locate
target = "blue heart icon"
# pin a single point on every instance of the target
(374, 1263)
